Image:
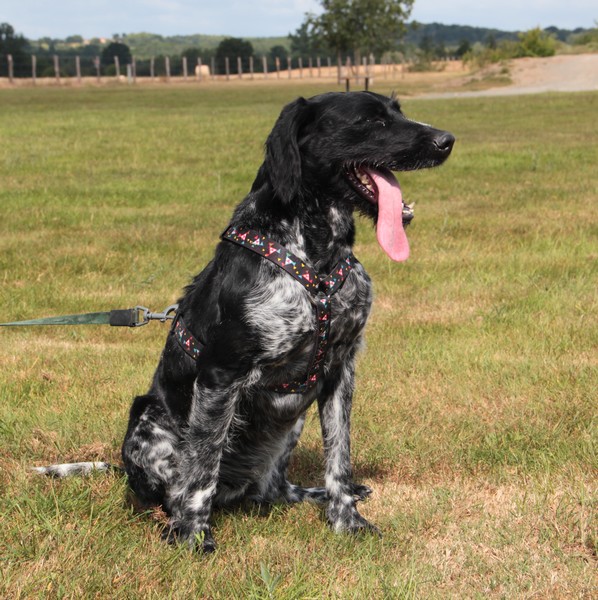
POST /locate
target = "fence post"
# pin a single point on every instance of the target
(96, 64)
(239, 67)
(167, 65)
(227, 68)
(329, 61)
(185, 68)
(134, 68)
(251, 66)
(199, 69)
(265, 65)
(289, 65)
(319, 63)
(33, 68)
(310, 62)
(78, 68)
(117, 67)
(57, 68)
(277, 61)
(10, 68)
(213, 67)
(300, 61)
(129, 74)
(152, 67)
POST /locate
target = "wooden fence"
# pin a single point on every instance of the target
(235, 68)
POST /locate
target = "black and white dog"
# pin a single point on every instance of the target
(274, 322)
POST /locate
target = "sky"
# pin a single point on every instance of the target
(265, 18)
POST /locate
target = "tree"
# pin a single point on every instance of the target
(116, 49)
(277, 52)
(191, 54)
(463, 49)
(491, 41)
(303, 43)
(16, 46)
(426, 46)
(232, 48)
(360, 26)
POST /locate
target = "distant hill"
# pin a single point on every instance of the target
(453, 35)
(146, 45)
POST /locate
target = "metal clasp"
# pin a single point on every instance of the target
(145, 315)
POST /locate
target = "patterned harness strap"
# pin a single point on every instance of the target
(323, 288)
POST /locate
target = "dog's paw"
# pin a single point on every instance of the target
(344, 518)
(361, 492)
(196, 537)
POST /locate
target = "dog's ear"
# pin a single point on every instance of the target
(283, 156)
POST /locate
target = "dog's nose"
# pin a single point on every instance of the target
(444, 142)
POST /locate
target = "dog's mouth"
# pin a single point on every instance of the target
(380, 187)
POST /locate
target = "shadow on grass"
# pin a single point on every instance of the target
(306, 469)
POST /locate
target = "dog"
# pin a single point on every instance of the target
(275, 320)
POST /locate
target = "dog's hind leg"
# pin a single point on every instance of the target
(150, 450)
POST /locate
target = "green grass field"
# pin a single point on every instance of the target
(475, 411)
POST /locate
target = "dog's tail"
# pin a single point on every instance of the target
(79, 468)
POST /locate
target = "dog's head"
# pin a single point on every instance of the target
(345, 146)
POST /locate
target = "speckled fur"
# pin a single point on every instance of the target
(210, 432)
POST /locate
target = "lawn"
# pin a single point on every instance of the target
(475, 410)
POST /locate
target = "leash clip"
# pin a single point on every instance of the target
(145, 315)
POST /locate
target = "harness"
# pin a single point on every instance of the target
(321, 288)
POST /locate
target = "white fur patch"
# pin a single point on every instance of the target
(279, 313)
(198, 500)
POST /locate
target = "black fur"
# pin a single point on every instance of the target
(209, 432)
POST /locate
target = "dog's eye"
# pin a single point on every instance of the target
(379, 121)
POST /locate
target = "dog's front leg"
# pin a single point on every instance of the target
(335, 410)
(190, 498)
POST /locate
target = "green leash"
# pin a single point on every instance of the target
(128, 317)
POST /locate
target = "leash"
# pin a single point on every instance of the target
(128, 317)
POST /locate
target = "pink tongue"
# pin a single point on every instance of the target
(389, 227)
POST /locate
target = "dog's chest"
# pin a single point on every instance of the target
(283, 315)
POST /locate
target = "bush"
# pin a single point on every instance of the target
(535, 42)
(587, 38)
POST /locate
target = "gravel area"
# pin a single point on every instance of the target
(563, 73)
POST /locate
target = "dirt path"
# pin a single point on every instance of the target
(565, 73)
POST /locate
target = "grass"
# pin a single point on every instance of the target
(475, 411)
